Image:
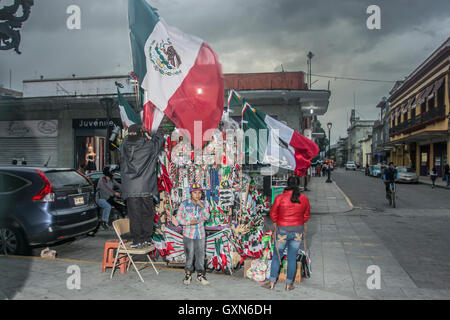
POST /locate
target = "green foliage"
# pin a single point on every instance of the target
(322, 142)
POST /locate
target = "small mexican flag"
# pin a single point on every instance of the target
(275, 143)
(127, 113)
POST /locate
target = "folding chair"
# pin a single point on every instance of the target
(121, 227)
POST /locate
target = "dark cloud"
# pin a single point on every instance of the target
(249, 36)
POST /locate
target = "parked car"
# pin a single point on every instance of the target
(407, 175)
(41, 206)
(350, 165)
(376, 170)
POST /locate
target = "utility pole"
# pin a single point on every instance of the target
(107, 104)
(310, 56)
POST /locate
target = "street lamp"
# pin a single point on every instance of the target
(329, 125)
(310, 56)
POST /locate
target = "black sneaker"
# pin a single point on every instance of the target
(137, 245)
(202, 279)
(105, 226)
(187, 279)
(146, 244)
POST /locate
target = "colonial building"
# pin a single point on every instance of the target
(341, 152)
(366, 151)
(380, 135)
(419, 115)
(358, 130)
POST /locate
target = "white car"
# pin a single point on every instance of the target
(350, 166)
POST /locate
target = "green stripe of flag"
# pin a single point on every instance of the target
(253, 122)
(127, 113)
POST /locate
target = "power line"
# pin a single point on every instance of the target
(353, 79)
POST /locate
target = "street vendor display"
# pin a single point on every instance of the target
(236, 207)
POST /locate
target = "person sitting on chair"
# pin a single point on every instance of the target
(105, 191)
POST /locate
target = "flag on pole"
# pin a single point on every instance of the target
(275, 143)
(151, 117)
(180, 73)
(127, 114)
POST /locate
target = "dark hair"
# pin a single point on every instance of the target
(293, 184)
(391, 163)
(107, 172)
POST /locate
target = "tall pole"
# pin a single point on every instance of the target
(329, 152)
(108, 105)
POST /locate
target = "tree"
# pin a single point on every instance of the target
(322, 142)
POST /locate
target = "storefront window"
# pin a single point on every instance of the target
(423, 158)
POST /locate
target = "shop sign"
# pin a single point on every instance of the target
(95, 123)
(29, 129)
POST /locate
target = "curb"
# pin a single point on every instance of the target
(345, 197)
(436, 186)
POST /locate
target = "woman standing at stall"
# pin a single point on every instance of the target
(90, 158)
(290, 211)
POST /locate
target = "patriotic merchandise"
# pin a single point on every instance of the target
(234, 230)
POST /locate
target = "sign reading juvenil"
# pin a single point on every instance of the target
(95, 123)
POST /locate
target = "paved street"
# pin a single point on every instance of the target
(416, 232)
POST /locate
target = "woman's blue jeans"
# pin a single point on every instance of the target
(106, 209)
(292, 241)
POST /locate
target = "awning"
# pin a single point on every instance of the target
(425, 94)
(437, 86)
(412, 102)
(405, 107)
(316, 100)
(436, 135)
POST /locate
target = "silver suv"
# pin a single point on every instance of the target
(350, 165)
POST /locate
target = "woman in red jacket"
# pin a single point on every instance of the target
(290, 211)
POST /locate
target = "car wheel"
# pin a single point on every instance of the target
(12, 241)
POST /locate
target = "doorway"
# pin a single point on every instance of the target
(81, 148)
(424, 160)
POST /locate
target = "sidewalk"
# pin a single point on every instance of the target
(439, 182)
(342, 248)
(326, 197)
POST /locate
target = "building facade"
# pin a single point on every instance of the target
(380, 135)
(419, 115)
(358, 130)
(341, 152)
(366, 151)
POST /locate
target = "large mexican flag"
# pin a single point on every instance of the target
(180, 73)
(275, 143)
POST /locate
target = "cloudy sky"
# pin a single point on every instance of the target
(249, 36)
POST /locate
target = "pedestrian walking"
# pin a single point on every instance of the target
(192, 215)
(138, 162)
(447, 174)
(313, 171)
(318, 170)
(289, 213)
(433, 176)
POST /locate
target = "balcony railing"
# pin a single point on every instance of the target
(418, 121)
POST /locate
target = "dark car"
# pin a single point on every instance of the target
(41, 206)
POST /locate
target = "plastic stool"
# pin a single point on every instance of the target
(108, 256)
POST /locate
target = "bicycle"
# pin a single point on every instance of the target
(392, 193)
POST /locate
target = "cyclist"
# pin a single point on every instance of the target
(389, 176)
